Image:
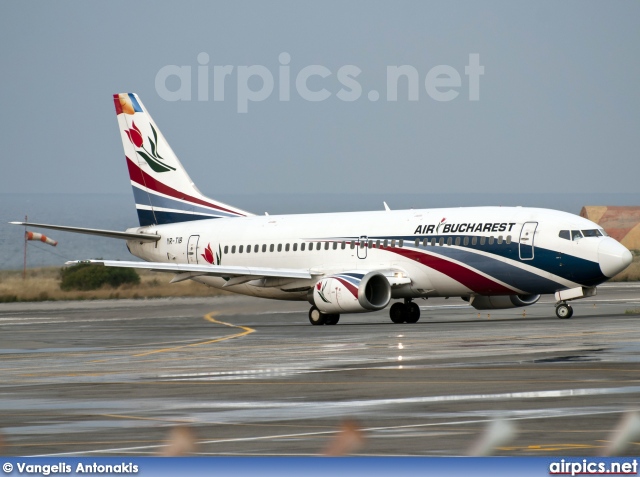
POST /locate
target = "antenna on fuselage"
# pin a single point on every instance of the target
(386, 207)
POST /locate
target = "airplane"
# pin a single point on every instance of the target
(353, 262)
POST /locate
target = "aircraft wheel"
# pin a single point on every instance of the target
(316, 318)
(413, 312)
(331, 319)
(398, 313)
(564, 311)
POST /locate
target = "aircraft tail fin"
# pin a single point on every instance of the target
(163, 191)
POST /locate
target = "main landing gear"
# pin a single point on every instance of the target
(407, 312)
(564, 310)
(317, 318)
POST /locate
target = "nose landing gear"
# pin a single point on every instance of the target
(564, 310)
(407, 312)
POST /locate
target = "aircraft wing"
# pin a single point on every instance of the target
(142, 237)
(185, 271)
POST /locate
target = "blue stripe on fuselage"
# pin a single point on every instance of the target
(151, 199)
(569, 267)
(146, 217)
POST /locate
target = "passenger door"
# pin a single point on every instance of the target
(527, 236)
(363, 245)
(192, 249)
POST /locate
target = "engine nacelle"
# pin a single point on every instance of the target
(352, 292)
(502, 301)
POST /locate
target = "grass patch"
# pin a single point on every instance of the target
(633, 311)
(43, 284)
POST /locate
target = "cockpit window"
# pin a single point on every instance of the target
(591, 233)
(565, 234)
(604, 232)
(576, 234)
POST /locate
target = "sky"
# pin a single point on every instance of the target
(556, 108)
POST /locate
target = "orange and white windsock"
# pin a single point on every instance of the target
(42, 238)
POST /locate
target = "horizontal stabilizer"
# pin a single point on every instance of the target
(142, 237)
(211, 270)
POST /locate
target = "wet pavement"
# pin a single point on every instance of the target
(253, 377)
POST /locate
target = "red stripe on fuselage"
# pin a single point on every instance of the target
(470, 279)
(145, 180)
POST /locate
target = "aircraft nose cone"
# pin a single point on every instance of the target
(613, 257)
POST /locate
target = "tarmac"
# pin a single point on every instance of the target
(251, 377)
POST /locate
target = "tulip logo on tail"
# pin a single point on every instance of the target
(153, 158)
(208, 255)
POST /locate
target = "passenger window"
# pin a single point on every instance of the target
(474, 240)
(483, 240)
(286, 247)
(433, 241)
(491, 240)
(279, 247)
(248, 248)
(240, 248)
(401, 243)
(441, 241)
(295, 247)
(352, 244)
(457, 240)
(449, 241)
(508, 239)
(302, 247)
(264, 247)
(233, 249)
(335, 245)
(343, 245)
(271, 247)
(465, 242)
(256, 248)
(226, 249)
(575, 235)
(393, 242)
(564, 234)
(326, 245)
(499, 239)
(386, 243)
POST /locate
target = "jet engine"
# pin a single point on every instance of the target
(501, 301)
(352, 292)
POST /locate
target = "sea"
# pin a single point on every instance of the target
(117, 212)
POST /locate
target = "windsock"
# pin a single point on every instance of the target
(42, 238)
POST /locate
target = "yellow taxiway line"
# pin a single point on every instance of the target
(209, 317)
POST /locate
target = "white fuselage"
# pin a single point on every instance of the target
(444, 252)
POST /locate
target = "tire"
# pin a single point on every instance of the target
(564, 311)
(332, 319)
(316, 318)
(398, 313)
(413, 312)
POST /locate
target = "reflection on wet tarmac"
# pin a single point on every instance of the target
(105, 379)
